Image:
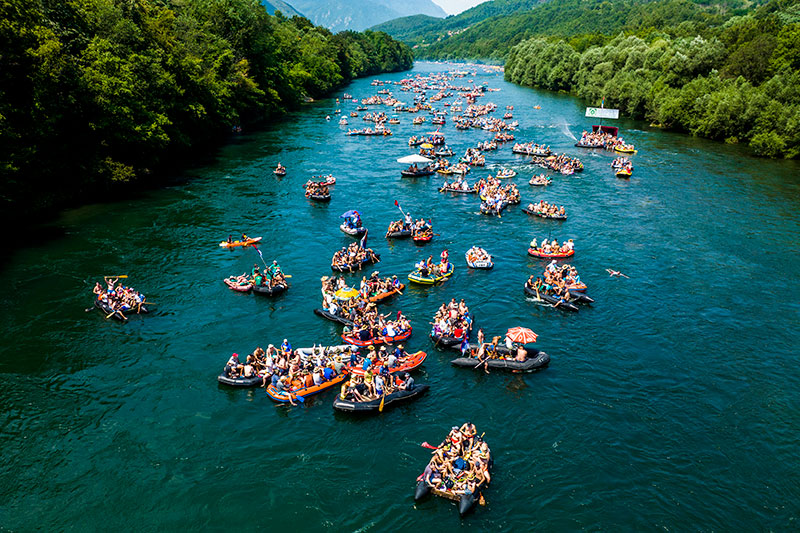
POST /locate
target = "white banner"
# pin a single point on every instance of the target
(602, 112)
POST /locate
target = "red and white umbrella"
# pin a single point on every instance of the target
(521, 335)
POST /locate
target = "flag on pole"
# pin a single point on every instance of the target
(363, 243)
(464, 344)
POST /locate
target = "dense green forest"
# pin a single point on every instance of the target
(99, 92)
(738, 81)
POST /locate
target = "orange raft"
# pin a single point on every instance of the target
(411, 362)
(304, 392)
(234, 244)
(384, 295)
(556, 255)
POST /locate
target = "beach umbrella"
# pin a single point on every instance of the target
(351, 213)
(521, 335)
(347, 293)
(427, 146)
(413, 158)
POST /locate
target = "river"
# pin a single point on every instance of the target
(671, 403)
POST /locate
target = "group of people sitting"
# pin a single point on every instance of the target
(597, 139)
(271, 276)
(503, 137)
(556, 281)
(563, 163)
(495, 196)
(622, 163)
(414, 169)
(547, 210)
(541, 179)
(552, 247)
(422, 228)
(379, 130)
(488, 351)
(460, 464)
(377, 380)
(474, 158)
(373, 326)
(460, 184)
(353, 257)
(452, 320)
(375, 285)
(487, 146)
(427, 268)
(118, 298)
(443, 166)
(531, 148)
(316, 189)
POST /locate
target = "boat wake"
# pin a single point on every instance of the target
(565, 131)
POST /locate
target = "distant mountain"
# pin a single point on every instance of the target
(283, 7)
(338, 15)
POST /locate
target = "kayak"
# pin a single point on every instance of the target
(474, 262)
(236, 286)
(411, 362)
(383, 339)
(552, 299)
(557, 255)
(334, 318)
(355, 232)
(304, 392)
(242, 382)
(374, 406)
(417, 276)
(542, 215)
(368, 260)
(266, 290)
(384, 295)
(234, 244)
(536, 360)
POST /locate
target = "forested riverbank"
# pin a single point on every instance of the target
(95, 93)
(737, 82)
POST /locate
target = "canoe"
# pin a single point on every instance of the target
(485, 264)
(237, 287)
(558, 255)
(266, 290)
(305, 392)
(417, 276)
(383, 339)
(420, 174)
(551, 299)
(412, 362)
(241, 382)
(234, 244)
(542, 215)
(368, 260)
(373, 406)
(334, 318)
(319, 197)
(384, 295)
(402, 234)
(355, 232)
(536, 360)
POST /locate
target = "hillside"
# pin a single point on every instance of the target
(339, 15)
(279, 5)
(489, 30)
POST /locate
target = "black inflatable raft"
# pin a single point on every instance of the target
(418, 174)
(320, 197)
(536, 360)
(254, 381)
(541, 215)
(368, 260)
(466, 502)
(551, 299)
(335, 318)
(266, 290)
(372, 406)
(118, 315)
(402, 234)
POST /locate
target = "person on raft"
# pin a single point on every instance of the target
(453, 320)
(460, 464)
(118, 297)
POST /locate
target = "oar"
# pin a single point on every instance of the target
(123, 276)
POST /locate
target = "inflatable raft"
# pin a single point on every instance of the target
(373, 406)
(624, 173)
(536, 360)
(368, 260)
(236, 286)
(319, 197)
(411, 362)
(417, 276)
(542, 215)
(474, 262)
(235, 244)
(557, 255)
(241, 382)
(419, 174)
(552, 299)
(382, 339)
(384, 295)
(422, 236)
(355, 232)
(402, 234)
(304, 392)
(472, 190)
(495, 211)
(266, 290)
(106, 309)
(335, 318)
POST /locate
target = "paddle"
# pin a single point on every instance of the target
(383, 397)
(123, 276)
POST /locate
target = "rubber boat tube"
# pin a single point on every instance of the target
(373, 406)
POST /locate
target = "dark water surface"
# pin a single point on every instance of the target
(671, 404)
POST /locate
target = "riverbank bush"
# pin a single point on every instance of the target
(738, 82)
(98, 92)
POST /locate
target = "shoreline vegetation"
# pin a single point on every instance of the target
(737, 82)
(95, 94)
